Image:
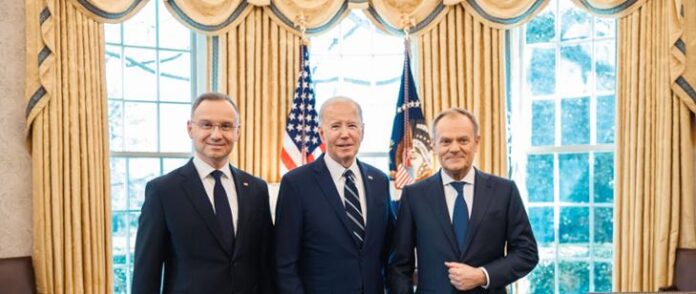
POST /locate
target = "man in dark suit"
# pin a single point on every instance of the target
(469, 228)
(333, 215)
(206, 224)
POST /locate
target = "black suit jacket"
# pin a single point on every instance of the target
(315, 251)
(498, 222)
(178, 233)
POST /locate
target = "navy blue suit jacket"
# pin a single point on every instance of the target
(498, 222)
(178, 231)
(315, 252)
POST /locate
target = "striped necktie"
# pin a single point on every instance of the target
(352, 204)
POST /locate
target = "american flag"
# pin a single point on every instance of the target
(301, 144)
(410, 154)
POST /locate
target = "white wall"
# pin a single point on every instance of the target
(15, 161)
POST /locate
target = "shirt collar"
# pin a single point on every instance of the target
(468, 178)
(337, 170)
(204, 169)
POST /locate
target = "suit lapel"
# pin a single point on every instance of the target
(372, 201)
(482, 200)
(244, 207)
(194, 190)
(326, 183)
(436, 198)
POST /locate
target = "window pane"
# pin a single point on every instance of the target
(120, 280)
(604, 27)
(140, 81)
(173, 133)
(540, 178)
(140, 127)
(175, 76)
(112, 33)
(113, 67)
(541, 219)
(606, 119)
(540, 65)
(575, 23)
(542, 278)
(140, 29)
(575, 121)
(356, 34)
(605, 65)
(119, 237)
(603, 226)
(576, 63)
(574, 173)
(116, 125)
(543, 122)
(170, 164)
(542, 28)
(602, 276)
(172, 34)
(573, 277)
(604, 177)
(574, 232)
(118, 184)
(140, 171)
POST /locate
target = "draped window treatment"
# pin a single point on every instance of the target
(253, 49)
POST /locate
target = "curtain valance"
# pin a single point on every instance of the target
(109, 11)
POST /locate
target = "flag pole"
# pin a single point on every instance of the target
(302, 23)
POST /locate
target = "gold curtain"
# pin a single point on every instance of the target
(461, 64)
(67, 126)
(258, 66)
(654, 157)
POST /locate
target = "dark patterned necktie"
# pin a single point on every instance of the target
(223, 212)
(352, 203)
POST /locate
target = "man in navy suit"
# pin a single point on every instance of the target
(207, 224)
(470, 229)
(333, 215)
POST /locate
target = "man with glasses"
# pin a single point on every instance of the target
(206, 225)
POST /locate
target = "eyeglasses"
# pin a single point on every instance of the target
(209, 126)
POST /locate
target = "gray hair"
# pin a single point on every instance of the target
(452, 112)
(215, 96)
(339, 99)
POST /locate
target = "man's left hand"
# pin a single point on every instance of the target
(464, 277)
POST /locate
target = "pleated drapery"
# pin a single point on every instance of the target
(654, 209)
(258, 64)
(461, 64)
(67, 130)
(254, 57)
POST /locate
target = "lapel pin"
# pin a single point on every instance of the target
(369, 177)
(245, 184)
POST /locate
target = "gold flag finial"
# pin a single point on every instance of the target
(301, 22)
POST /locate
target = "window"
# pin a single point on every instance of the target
(562, 131)
(357, 60)
(150, 66)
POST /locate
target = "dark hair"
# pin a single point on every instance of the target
(455, 111)
(215, 96)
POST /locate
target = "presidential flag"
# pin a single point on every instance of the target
(301, 144)
(410, 154)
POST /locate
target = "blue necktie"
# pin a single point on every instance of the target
(353, 210)
(460, 217)
(223, 212)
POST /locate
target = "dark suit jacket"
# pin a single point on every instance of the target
(423, 222)
(178, 230)
(315, 252)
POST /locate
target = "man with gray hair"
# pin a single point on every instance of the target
(470, 229)
(333, 215)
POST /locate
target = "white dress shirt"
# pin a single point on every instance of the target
(451, 196)
(336, 170)
(204, 170)
(451, 192)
